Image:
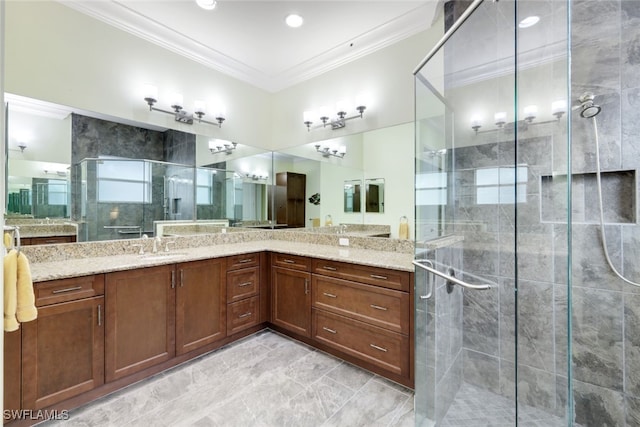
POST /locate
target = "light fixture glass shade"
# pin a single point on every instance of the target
(363, 100)
(342, 106)
(530, 112)
(308, 116)
(558, 107)
(342, 149)
(213, 143)
(200, 107)
(500, 118)
(476, 121)
(325, 112)
(221, 111)
(150, 91)
(177, 100)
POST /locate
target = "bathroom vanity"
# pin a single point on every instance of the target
(106, 322)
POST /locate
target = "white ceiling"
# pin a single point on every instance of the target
(250, 41)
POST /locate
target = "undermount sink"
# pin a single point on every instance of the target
(163, 255)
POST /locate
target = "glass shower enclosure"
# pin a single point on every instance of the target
(492, 220)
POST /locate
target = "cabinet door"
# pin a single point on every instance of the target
(140, 321)
(201, 304)
(63, 352)
(12, 364)
(291, 300)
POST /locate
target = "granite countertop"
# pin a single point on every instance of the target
(52, 270)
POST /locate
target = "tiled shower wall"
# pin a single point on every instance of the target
(91, 138)
(606, 311)
(605, 59)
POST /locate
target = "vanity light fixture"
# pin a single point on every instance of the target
(221, 146)
(338, 121)
(530, 113)
(476, 123)
(200, 109)
(558, 108)
(22, 145)
(328, 151)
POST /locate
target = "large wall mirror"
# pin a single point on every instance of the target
(49, 176)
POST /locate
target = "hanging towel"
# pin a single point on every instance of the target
(10, 291)
(8, 240)
(26, 308)
(403, 231)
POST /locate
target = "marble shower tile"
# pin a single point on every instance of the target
(630, 122)
(481, 321)
(632, 344)
(597, 406)
(482, 370)
(589, 266)
(597, 339)
(536, 388)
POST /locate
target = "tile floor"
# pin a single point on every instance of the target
(263, 380)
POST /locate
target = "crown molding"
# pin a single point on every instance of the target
(120, 16)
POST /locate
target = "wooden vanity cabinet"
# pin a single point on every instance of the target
(140, 320)
(201, 306)
(12, 375)
(365, 312)
(291, 294)
(243, 292)
(63, 349)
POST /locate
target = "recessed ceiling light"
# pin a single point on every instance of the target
(207, 4)
(529, 21)
(293, 20)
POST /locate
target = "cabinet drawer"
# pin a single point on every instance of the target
(242, 284)
(243, 261)
(291, 261)
(392, 279)
(56, 291)
(383, 348)
(242, 314)
(379, 306)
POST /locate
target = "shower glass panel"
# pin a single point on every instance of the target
(492, 221)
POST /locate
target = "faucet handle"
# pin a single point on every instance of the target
(166, 245)
(141, 246)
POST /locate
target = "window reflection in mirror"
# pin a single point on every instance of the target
(374, 189)
(352, 200)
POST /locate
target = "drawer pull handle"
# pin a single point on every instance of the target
(181, 278)
(328, 267)
(173, 279)
(244, 284)
(244, 315)
(60, 291)
(99, 315)
(244, 261)
(377, 276)
(333, 331)
(378, 307)
(306, 286)
(289, 261)
(329, 295)
(378, 347)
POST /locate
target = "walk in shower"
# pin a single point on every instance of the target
(527, 237)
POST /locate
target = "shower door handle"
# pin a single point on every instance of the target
(450, 278)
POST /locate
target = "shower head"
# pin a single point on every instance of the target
(587, 108)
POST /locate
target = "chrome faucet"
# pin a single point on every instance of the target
(343, 229)
(156, 241)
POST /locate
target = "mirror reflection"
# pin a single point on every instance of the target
(352, 195)
(120, 180)
(374, 195)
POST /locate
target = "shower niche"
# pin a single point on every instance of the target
(619, 197)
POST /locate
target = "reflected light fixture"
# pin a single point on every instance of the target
(530, 113)
(207, 4)
(22, 145)
(150, 93)
(328, 151)
(221, 146)
(337, 121)
(529, 21)
(558, 108)
(476, 123)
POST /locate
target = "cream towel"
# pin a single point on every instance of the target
(8, 240)
(26, 310)
(10, 291)
(315, 222)
(403, 231)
